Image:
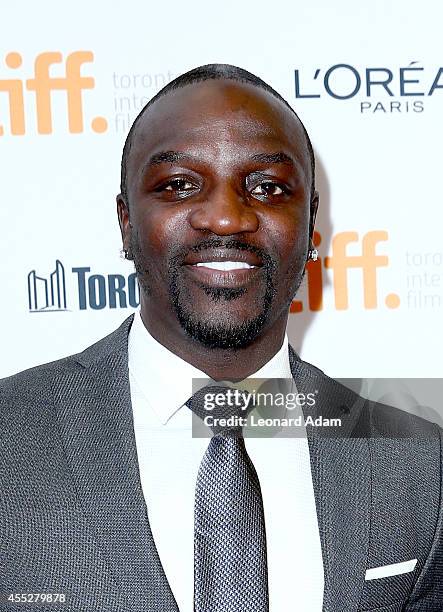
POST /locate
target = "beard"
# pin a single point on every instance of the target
(220, 333)
(212, 330)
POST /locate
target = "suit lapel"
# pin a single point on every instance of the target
(95, 417)
(340, 466)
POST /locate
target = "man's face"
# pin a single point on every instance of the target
(219, 211)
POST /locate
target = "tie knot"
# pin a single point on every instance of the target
(222, 408)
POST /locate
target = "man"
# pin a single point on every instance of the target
(99, 469)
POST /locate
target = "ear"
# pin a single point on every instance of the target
(124, 221)
(313, 213)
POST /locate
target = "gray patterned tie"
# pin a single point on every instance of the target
(230, 567)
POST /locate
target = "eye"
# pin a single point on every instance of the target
(177, 184)
(268, 188)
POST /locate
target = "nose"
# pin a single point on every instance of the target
(224, 212)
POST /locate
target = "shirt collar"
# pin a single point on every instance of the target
(156, 368)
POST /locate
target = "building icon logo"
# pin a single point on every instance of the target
(90, 291)
(47, 295)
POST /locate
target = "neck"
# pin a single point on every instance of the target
(218, 364)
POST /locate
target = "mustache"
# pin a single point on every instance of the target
(178, 254)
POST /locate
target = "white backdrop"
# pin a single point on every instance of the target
(378, 149)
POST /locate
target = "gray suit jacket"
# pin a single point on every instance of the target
(73, 518)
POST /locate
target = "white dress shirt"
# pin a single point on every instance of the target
(169, 458)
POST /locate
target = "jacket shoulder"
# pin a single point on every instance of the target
(28, 394)
(376, 419)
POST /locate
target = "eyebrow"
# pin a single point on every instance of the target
(168, 157)
(175, 156)
(273, 158)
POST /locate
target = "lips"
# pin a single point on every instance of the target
(224, 259)
(223, 267)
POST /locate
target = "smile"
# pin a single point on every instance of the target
(228, 274)
(224, 266)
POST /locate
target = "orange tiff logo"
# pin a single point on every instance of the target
(340, 262)
(43, 84)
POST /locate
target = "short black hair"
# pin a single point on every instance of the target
(197, 75)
